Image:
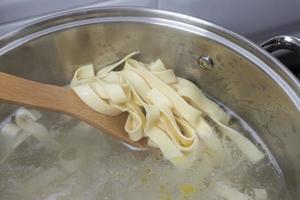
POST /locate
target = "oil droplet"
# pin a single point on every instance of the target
(187, 190)
(148, 171)
(144, 179)
(165, 193)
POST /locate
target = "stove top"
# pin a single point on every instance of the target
(289, 59)
(257, 20)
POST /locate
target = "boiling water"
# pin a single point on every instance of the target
(90, 165)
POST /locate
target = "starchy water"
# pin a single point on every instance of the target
(90, 165)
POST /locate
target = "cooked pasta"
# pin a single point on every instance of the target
(168, 110)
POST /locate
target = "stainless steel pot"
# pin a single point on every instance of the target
(228, 67)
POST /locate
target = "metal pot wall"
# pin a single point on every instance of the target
(226, 66)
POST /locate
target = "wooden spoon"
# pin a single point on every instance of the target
(63, 100)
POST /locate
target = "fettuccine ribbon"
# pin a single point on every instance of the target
(166, 109)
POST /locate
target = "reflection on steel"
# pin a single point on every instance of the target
(283, 42)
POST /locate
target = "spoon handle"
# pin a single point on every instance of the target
(25, 92)
(30, 93)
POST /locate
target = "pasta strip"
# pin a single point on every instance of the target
(170, 111)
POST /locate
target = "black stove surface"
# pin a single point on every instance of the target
(290, 59)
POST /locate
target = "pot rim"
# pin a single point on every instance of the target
(83, 16)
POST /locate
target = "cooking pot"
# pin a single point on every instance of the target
(229, 68)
